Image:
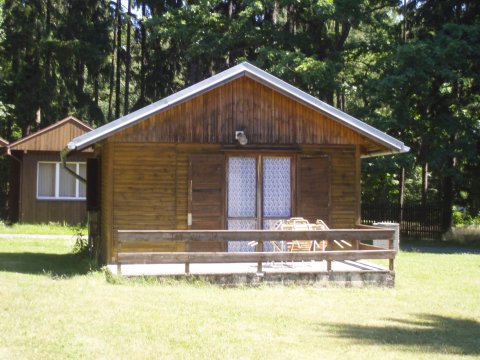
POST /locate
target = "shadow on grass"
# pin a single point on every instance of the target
(55, 265)
(432, 333)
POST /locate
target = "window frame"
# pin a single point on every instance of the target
(260, 218)
(57, 196)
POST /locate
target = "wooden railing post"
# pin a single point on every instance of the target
(390, 247)
(187, 264)
(329, 262)
(259, 249)
(119, 265)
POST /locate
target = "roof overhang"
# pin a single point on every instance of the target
(244, 69)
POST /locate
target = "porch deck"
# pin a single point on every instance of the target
(343, 273)
(347, 268)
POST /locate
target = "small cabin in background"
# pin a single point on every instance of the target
(41, 190)
(240, 150)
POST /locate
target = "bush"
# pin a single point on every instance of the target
(461, 218)
(466, 235)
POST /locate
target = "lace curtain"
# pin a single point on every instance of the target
(242, 195)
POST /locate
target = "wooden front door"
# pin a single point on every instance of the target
(206, 197)
(313, 188)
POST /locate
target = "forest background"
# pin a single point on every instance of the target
(410, 68)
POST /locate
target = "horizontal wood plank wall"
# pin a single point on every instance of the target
(54, 139)
(267, 116)
(106, 198)
(44, 211)
(150, 190)
(344, 177)
(150, 183)
(144, 190)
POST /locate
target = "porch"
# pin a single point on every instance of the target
(330, 264)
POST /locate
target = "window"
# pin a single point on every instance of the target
(258, 194)
(55, 182)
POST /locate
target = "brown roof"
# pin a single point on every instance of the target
(53, 137)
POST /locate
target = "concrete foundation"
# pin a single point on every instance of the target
(343, 274)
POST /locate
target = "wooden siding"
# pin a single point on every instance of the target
(268, 117)
(14, 188)
(33, 210)
(106, 198)
(345, 183)
(52, 138)
(145, 187)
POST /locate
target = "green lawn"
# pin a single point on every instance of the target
(42, 229)
(52, 306)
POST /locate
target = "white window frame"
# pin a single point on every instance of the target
(57, 181)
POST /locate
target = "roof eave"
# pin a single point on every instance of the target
(402, 150)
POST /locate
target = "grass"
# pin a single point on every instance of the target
(42, 229)
(52, 306)
(468, 234)
(444, 243)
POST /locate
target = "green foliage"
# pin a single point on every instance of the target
(409, 68)
(81, 247)
(462, 218)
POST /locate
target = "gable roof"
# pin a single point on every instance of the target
(53, 135)
(243, 69)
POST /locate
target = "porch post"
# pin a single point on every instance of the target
(259, 248)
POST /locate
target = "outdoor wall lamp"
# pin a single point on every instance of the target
(241, 137)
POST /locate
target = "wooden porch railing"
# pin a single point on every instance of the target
(361, 250)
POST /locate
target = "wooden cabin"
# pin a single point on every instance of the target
(239, 150)
(41, 190)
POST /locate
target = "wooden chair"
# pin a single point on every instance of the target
(298, 224)
(320, 225)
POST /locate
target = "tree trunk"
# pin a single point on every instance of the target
(127, 60)
(119, 63)
(424, 183)
(402, 194)
(143, 56)
(80, 78)
(112, 71)
(448, 197)
(48, 53)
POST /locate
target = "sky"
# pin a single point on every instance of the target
(135, 11)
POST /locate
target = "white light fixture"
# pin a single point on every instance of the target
(241, 138)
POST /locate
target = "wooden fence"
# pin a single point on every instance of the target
(362, 251)
(416, 220)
